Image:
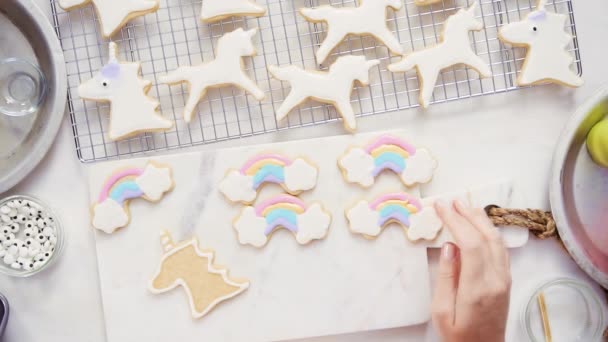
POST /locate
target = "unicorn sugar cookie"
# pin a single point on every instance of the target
(294, 176)
(131, 110)
(215, 10)
(547, 60)
(368, 18)
(333, 87)
(255, 225)
(453, 48)
(418, 222)
(362, 165)
(225, 69)
(185, 265)
(112, 208)
(114, 14)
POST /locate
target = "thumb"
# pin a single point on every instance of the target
(444, 298)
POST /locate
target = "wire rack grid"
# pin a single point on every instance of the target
(174, 36)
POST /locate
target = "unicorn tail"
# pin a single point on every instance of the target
(320, 13)
(181, 74)
(406, 63)
(283, 73)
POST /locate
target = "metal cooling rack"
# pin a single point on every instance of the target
(175, 36)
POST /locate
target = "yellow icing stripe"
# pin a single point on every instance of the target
(390, 148)
(287, 206)
(253, 169)
(404, 204)
(412, 208)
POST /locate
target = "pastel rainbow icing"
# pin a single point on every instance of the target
(307, 223)
(243, 184)
(110, 212)
(396, 207)
(389, 153)
(362, 165)
(369, 218)
(121, 186)
(266, 168)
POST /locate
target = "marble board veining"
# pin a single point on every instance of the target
(341, 284)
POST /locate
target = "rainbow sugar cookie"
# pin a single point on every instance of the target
(370, 218)
(112, 208)
(294, 175)
(362, 165)
(255, 225)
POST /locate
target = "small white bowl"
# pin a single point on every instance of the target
(5, 269)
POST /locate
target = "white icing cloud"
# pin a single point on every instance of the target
(424, 225)
(363, 220)
(358, 167)
(419, 168)
(237, 187)
(250, 228)
(300, 176)
(155, 181)
(109, 216)
(312, 224)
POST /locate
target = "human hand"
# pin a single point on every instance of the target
(471, 299)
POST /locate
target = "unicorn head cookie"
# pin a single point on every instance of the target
(132, 111)
(111, 210)
(547, 60)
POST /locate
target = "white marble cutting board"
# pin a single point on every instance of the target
(341, 284)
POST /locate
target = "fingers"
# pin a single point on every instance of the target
(444, 297)
(478, 219)
(465, 235)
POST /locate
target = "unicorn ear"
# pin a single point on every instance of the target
(166, 240)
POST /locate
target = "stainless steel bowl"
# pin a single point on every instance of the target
(579, 191)
(26, 33)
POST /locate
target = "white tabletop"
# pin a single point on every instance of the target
(63, 303)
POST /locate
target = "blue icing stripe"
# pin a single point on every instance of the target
(391, 208)
(271, 173)
(279, 213)
(390, 157)
(124, 191)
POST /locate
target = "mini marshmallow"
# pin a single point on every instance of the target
(5, 230)
(16, 265)
(48, 231)
(23, 251)
(38, 264)
(40, 223)
(3, 253)
(47, 246)
(9, 239)
(9, 259)
(5, 210)
(6, 219)
(32, 213)
(13, 250)
(53, 240)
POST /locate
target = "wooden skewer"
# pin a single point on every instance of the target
(543, 314)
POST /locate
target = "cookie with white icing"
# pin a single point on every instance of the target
(333, 87)
(114, 14)
(111, 211)
(361, 165)
(368, 18)
(205, 283)
(226, 69)
(547, 60)
(255, 225)
(293, 175)
(454, 48)
(132, 111)
(370, 218)
(215, 10)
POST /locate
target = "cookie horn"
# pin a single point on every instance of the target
(474, 6)
(166, 241)
(372, 63)
(113, 51)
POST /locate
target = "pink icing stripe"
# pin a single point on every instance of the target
(279, 199)
(105, 191)
(390, 140)
(401, 196)
(257, 158)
